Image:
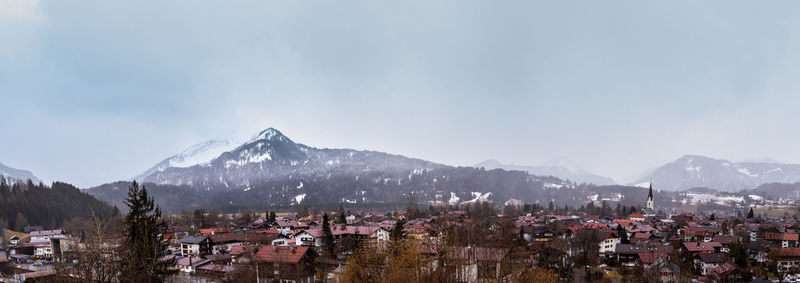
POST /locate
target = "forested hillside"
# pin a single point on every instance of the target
(23, 204)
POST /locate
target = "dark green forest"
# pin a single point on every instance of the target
(26, 203)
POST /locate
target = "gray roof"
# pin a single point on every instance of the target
(713, 257)
(193, 239)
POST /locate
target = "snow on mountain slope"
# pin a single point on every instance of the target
(692, 171)
(17, 174)
(270, 155)
(198, 154)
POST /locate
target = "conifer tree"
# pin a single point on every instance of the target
(327, 241)
(143, 248)
(750, 214)
(397, 231)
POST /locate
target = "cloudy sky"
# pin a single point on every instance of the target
(92, 92)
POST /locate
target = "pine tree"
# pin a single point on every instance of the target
(272, 217)
(327, 240)
(397, 231)
(142, 247)
(750, 214)
(623, 235)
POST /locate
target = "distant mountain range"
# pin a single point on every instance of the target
(550, 170)
(271, 169)
(17, 174)
(692, 171)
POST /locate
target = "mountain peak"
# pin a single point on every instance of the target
(21, 175)
(269, 134)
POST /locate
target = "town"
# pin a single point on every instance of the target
(474, 242)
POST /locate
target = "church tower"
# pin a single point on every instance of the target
(650, 197)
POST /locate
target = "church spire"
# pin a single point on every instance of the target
(649, 203)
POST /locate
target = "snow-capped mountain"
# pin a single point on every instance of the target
(17, 174)
(200, 153)
(270, 155)
(550, 169)
(692, 171)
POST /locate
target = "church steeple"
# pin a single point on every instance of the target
(650, 197)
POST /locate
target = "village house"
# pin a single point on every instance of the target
(783, 240)
(704, 261)
(190, 264)
(45, 235)
(728, 272)
(787, 259)
(196, 246)
(664, 271)
(286, 264)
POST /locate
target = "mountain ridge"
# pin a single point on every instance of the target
(17, 174)
(690, 171)
(559, 171)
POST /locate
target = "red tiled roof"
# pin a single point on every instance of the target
(278, 254)
(215, 230)
(781, 236)
(651, 257)
(701, 246)
(795, 252)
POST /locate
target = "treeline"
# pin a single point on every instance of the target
(25, 203)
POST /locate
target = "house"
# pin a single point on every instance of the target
(45, 235)
(787, 259)
(477, 264)
(728, 272)
(636, 216)
(644, 252)
(663, 271)
(190, 264)
(14, 240)
(726, 241)
(783, 240)
(217, 270)
(38, 249)
(704, 261)
(537, 233)
(289, 264)
(242, 254)
(699, 234)
(221, 243)
(196, 246)
(701, 247)
(304, 238)
(608, 239)
(313, 237)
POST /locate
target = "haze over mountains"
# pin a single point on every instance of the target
(692, 171)
(272, 169)
(562, 172)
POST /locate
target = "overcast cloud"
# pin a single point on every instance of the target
(98, 91)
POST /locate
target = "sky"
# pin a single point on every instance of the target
(98, 91)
